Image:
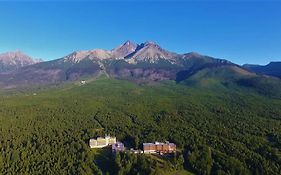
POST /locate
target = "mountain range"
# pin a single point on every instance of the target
(271, 69)
(143, 63)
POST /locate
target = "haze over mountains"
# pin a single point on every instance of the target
(145, 62)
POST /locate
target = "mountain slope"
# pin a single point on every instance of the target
(51, 72)
(234, 78)
(272, 69)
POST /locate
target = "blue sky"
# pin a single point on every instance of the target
(243, 32)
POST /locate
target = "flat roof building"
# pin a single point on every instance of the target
(159, 147)
(101, 142)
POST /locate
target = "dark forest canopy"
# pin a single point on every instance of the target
(218, 130)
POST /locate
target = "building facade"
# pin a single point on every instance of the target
(101, 142)
(159, 147)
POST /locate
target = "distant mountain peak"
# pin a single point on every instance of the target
(150, 43)
(272, 69)
(275, 62)
(13, 54)
(100, 54)
(129, 42)
(191, 55)
(76, 56)
(95, 54)
(14, 60)
(150, 51)
(125, 49)
(194, 53)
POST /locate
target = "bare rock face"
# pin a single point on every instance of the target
(10, 61)
(96, 54)
(100, 54)
(129, 51)
(76, 56)
(151, 52)
(123, 50)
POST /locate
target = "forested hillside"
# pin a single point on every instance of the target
(218, 130)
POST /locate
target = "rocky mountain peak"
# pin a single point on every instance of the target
(100, 54)
(151, 52)
(125, 49)
(96, 54)
(14, 60)
(148, 51)
(150, 43)
(128, 42)
(76, 56)
(16, 57)
(191, 55)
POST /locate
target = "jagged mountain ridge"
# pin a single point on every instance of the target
(97, 54)
(129, 51)
(146, 62)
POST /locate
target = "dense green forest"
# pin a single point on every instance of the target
(218, 130)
